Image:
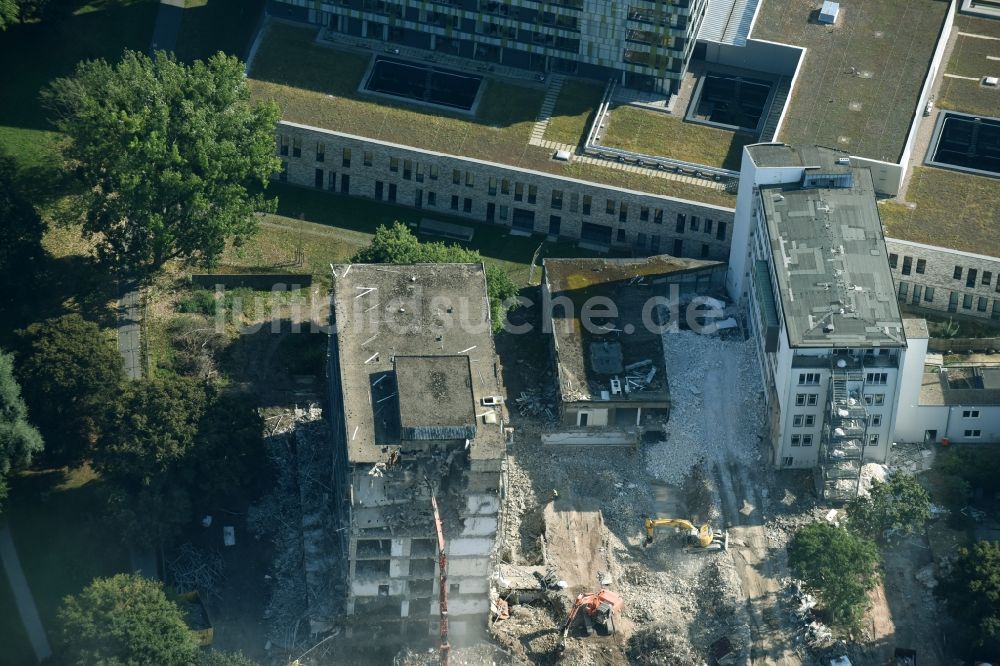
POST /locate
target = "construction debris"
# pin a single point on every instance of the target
(295, 518)
(538, 403)
(191, 569)
(694, 432)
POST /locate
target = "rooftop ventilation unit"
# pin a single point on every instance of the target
(829, 12)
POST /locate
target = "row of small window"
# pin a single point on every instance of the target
(973, 433)
(812, 378)
(521, 191)
(803, 421)
(970, 413)
(294, 145)
(871, 399)
(696, 225)
(921, 294)
(972, 275)
(907, 264)
(872, 440)
(807, 440)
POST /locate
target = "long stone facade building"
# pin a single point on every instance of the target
(939, 280)
(529, 202)
(644, 44)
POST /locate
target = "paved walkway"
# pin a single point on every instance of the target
(545, 112)
(129, 329)
(22, 596)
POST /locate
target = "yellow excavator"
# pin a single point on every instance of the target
(697, 537)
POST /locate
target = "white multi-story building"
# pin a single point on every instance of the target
(809, 264)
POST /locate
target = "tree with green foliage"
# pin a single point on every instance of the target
(398, 245)
(21, 233)
(149, 432)
(840, 565)
(8, 13)
(229, 457)
(173, 157)
(899, 506)
(971, 590)
(216, 658)
(19, 440)
(69, 371)
(976, 465)
(124, 620)
(171, 444)
(150, 429)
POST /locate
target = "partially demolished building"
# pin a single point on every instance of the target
(414, 382)
(606, 318)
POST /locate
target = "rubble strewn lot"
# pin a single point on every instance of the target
(681, 606)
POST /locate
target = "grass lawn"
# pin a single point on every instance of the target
(56, 519)
(893, 40)
(572, 114)
(304, 213)
(219, 25)
(655, 133)
(37, 53)
(317, 86)
(953, 209)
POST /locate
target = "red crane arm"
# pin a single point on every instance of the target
(445, 648)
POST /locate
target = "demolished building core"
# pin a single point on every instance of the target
(412, 363)
(606, 316)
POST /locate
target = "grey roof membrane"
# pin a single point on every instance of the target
(411, 338)
(832, 267)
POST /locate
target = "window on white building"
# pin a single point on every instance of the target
(808, 378)
(876, 399)
(872, 440)
(797, 421)
(877, 378)
(875, 420)
(807, 440)
(810, 420)
(800, 399)
(970, 413)
(796, 440)
(813, 398)
(973, 433)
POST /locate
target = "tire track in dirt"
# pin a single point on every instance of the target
(760, 570)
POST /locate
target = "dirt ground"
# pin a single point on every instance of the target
(686, 606)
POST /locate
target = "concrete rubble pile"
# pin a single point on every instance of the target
(538, 403)
(814, 633)
(296, 519)
(693, 432)
(870, 474)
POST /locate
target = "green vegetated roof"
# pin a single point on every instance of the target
(318, 86)
(861, 79)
